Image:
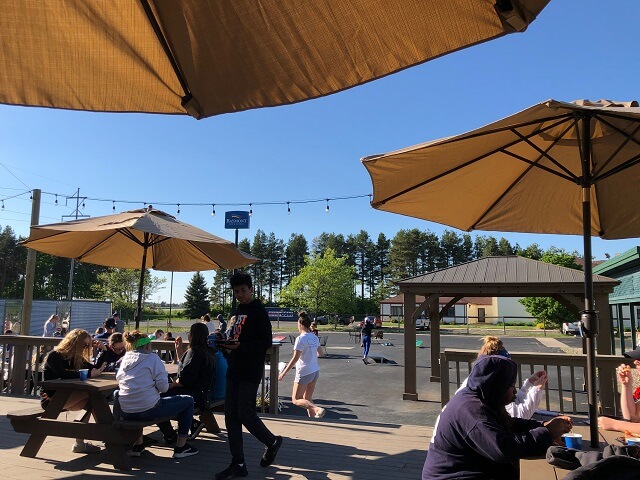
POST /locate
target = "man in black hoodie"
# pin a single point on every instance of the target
(252, 330)
(475, 438)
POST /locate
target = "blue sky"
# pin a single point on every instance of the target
(575, 50)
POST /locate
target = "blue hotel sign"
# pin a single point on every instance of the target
(236, 220)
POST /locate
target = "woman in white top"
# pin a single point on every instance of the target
(306, 351)
(529, 394)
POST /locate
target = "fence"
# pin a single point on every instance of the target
(564, 391)
(22, 377)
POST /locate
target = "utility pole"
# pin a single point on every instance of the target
(27, 301)
(75, 214)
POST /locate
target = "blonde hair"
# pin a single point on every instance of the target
(71, 347)
(491, 346)
(131, 338)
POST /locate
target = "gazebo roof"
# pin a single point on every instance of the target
(504, 276)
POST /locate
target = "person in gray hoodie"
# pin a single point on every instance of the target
(142, 378)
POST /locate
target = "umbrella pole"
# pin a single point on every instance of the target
(589, 316)
(141, 285)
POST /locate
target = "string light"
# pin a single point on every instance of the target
(2, 204)
(83, 205)
(327, 209)
(113, 208)
(56, 202)
(250, 210)
(288, 209)
(178, 209)
(213, 209)
(30, 196)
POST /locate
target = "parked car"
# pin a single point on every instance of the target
(423, 324)
(572, 328)
(322, 320)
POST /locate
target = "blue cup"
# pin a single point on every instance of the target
(84, 373)
(633, 441)
(573, 440)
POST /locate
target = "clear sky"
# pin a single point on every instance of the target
(576, 49)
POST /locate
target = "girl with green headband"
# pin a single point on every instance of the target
(142, 378)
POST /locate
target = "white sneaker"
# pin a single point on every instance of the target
(321, 412)
(85, 447)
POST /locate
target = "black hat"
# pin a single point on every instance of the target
(110, 323)
(115, 314)
(635, 354)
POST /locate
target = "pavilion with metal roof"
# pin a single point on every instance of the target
(499, 276)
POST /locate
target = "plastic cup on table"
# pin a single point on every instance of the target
(633, 441)
(84, 374)
(573, 440)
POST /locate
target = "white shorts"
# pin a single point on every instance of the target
(307, 379)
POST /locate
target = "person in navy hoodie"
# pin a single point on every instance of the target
(474, 437)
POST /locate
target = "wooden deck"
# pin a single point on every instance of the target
(312, 449)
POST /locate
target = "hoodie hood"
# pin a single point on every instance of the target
(490, 378)
(132, 359)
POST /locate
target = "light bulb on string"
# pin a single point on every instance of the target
(327, 209)
(113, 207)
(83, 205)
(2, 204)
(288, 209)
(250, 210)
(213, 210)
(56, 202)
(178, 213)
(30, 195)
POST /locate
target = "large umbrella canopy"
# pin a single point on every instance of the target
(138, 239)
(556, 167)
(206, 57)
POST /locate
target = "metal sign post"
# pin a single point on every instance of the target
(236, 220)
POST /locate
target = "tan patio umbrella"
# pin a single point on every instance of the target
(556, 167)
(141, 239)
(206, 57)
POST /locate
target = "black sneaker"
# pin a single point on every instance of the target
(232, 471)
(170, 440)
(184, 451)
(136, 450)
(196, 428)
(271, 452)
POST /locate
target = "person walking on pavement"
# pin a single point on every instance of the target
(366, 338)
(306, 351)
(252, 331)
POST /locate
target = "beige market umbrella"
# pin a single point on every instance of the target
(206, 57)
(556, 167)
(141, 239)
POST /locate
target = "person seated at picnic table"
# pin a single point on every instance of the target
(110, 354)
(629, 396)
(475, 438)
(109, 328)
(314, 328)
(222, 324)
(65, 362)
(529, 394)
(142, 378)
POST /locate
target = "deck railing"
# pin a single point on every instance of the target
(565, 389)
(22, 377)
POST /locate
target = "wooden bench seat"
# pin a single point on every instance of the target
(205, 414)
(26, 414)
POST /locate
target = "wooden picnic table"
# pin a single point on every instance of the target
(48, 423)
(41, 425)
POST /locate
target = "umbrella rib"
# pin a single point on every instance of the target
(205, 254)
(628, 138)
(167, 50)
(545, 153)
(502, 195)
(620, 168)
(93, 247)
(481, 157)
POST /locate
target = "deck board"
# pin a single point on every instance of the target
(312, 449)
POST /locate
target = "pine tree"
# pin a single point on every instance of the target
(196, 297)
